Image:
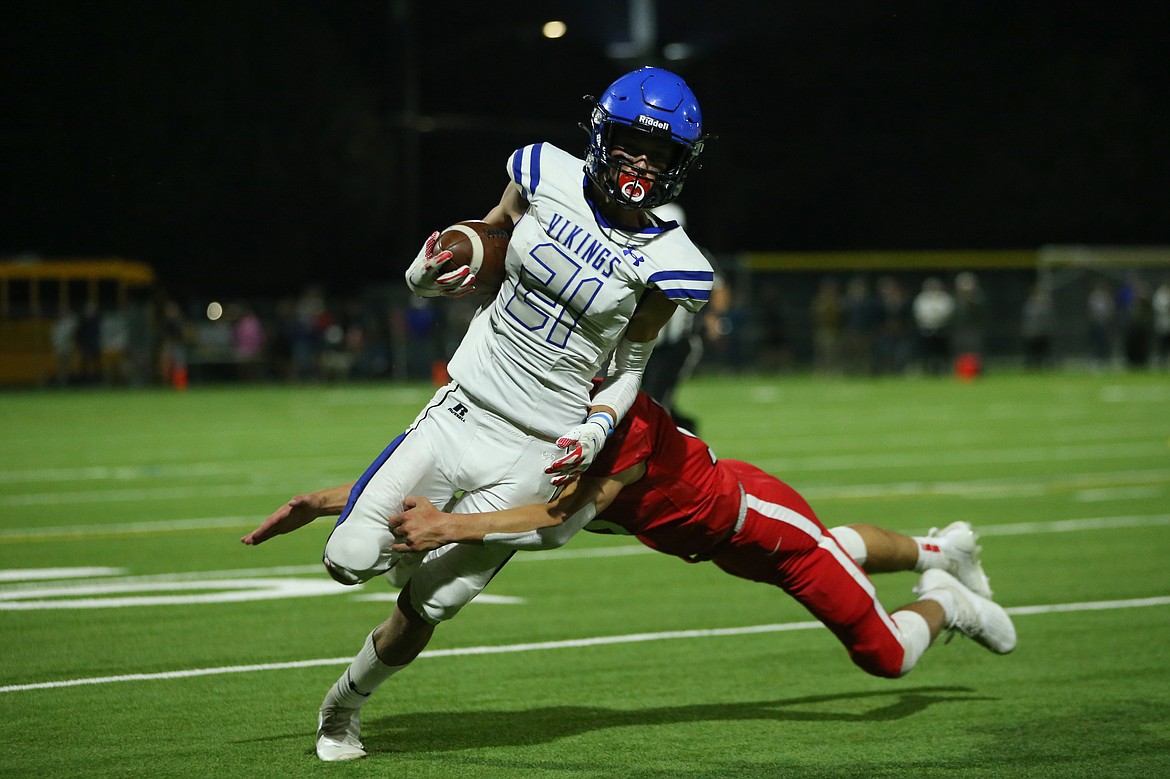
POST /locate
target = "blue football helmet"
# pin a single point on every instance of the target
(661, 105)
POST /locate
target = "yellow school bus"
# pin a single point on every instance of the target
(36, 293)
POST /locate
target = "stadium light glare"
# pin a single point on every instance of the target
(214, 310)
(554, 29)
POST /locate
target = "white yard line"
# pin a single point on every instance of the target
(964, 456)
(130, 528)
(990, 488)
(1073, 525)
(41, 574)
(1054, 608)
(136, 494)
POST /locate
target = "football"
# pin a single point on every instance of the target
(482, 247)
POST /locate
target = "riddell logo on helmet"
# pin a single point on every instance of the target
(634, 188)
(651, 122)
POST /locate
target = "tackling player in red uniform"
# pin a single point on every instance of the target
(665, 486)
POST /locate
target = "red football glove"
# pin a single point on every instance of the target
(427, 279)
(583, 443)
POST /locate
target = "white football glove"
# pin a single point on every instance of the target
(423, 275)
(583, 443)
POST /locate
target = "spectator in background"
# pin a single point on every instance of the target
(248, 339)
(1160, 302)
(280, 346)
(771, 316)
(828, 318)
(115, 340)
(1037, 324)
(310, 318)
(63, 336)
(894, 345)
(969, 319)
(139, 341)
(732, 350)
(861, 320)
(933, 309)
(1139, 325)
(355, 332)
(343, 341)
(1102, 319)
(89, 341)
(174, 338)
(424, 336)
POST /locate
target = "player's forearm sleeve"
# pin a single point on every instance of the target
(621, 386)
(546, 537)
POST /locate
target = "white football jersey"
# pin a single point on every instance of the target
(573, 281)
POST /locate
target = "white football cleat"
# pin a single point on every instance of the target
(980, 619)
(339, 734)
(960, 545)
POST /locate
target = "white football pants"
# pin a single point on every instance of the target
(453, 446)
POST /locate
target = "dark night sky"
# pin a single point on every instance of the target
(260, 146)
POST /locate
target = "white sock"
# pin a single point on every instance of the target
(944, 598)
(914, 635)
(361, 678)
(930, 554)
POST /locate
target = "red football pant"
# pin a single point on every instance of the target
(783, 543)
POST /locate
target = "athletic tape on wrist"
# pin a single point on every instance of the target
(610, 422)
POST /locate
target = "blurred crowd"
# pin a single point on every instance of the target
(942, 327)
(386, 333)
(851, 325)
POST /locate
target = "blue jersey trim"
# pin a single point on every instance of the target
(535, 166)
(676, 284)
(687, 294)
(662, 228)
(517, 176)
(527, 183)
(360, 485)
(682, 275)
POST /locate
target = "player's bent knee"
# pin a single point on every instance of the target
(339, 574)
(880, 664)
(913, 635)
(893, 650)
(852, 542)
(350, 561)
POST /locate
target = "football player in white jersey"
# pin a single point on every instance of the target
(590, 273)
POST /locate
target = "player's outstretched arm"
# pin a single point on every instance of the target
(422, 527)
(300, 511)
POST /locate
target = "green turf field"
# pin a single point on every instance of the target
(170, 649)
